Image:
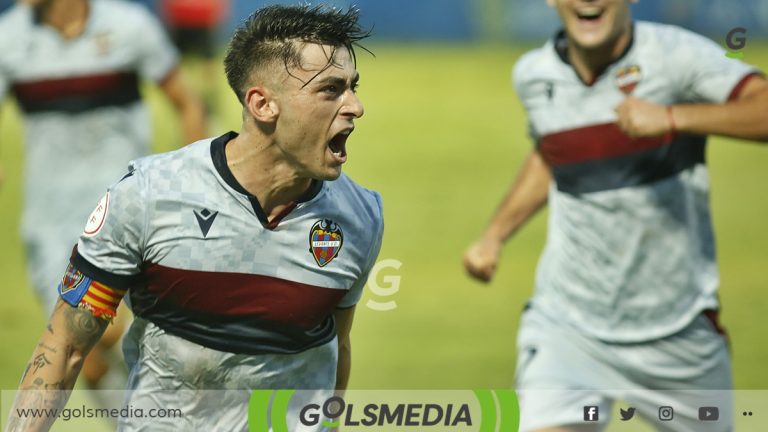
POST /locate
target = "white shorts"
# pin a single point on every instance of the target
(212, 388)
(561, 373)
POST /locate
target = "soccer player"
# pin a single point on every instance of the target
(74, 68)
(626, 288)
(243, 255)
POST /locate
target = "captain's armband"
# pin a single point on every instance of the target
(80, 291)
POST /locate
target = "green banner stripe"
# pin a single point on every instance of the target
(509, 410)
(258, 408)
(487, 411)
(280, 410)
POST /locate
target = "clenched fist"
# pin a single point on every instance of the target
(640, 118)
(481, 259)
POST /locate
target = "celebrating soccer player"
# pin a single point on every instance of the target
(243, 255)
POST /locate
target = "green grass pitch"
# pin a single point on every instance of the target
(442, 138)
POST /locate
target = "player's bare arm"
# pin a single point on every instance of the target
(190, 109)
(55, 365)
(344, 318)
(525, 198)
(742, 118)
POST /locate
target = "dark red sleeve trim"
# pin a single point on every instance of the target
(740, 85)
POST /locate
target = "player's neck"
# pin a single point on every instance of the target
(68, 17)
(272, 181)
(591, 63)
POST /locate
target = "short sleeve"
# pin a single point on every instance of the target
(110, 249)
(356, 291)
(157, 55)
(709, 76)
(521, 79)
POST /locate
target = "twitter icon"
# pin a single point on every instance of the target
(628, 414)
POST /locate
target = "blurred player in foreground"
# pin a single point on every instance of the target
(626, 288)
(243, 255)
(74, 68)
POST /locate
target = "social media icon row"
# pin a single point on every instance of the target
(666, 413)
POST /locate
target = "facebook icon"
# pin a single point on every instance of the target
(591, 413)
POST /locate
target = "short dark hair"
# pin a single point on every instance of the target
(270, 34)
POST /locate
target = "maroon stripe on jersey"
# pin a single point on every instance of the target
(638, 168)
(76, 94)
(595, 142)
(266, 297)
(740, 85)
(46, 90)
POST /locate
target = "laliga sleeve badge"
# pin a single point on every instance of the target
(97, 217)
(627, 78)
(73, 285)
(325, 241)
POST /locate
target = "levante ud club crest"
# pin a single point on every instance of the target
(325, 240)
(627, 78)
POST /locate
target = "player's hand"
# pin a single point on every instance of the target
(640, 118)
(482, 258)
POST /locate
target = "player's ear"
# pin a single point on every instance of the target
(260, 103)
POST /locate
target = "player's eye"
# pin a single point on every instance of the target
(355, 86)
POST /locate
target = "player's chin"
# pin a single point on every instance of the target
(590, 37)
(328, 173)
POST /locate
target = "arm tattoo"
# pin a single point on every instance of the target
(85, 328)
(59, 385)
(26, 371)
(40, 361)
(46, 347)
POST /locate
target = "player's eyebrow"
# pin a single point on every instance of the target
(337, 80)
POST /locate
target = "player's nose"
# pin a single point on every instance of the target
(352, 105)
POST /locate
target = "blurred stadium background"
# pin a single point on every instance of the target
(441, 140)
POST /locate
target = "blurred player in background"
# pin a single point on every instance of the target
(74, 68)
(243, 255)
(193, 26)
(626, 288)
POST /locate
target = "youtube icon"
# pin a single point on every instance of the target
(709, 413)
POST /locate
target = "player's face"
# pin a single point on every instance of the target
(318, 106)
(593, 24)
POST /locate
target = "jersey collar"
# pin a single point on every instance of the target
(219, 157)
(561, 49)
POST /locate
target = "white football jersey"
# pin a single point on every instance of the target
(200, 260)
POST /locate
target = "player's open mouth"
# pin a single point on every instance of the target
(338, 145)
(589, 14)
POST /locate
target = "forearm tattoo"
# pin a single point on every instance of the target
(40, 361)
(84, 327)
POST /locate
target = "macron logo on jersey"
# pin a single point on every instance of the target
(205, 219)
